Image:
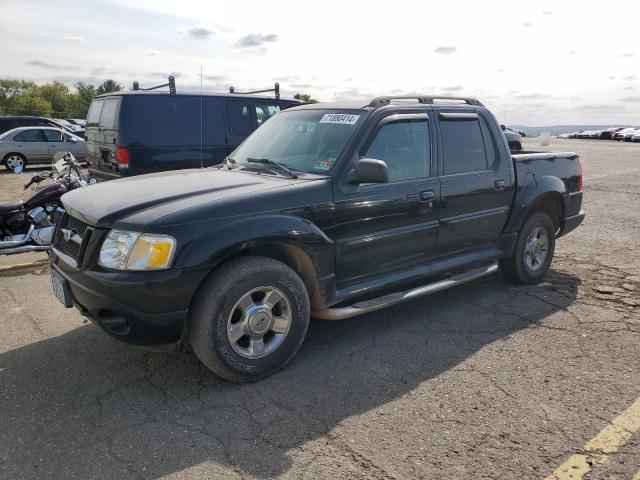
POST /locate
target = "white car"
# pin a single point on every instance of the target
(636, 137)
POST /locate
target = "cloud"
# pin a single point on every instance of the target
(455, 88)
(527, 24)
(501, 70)
(630, 77)
(256, 39)
(39, 62)
(214, 78)
(165, 74)
(446, 50)
(572, 52)
(531, 96)
(74, 38)
(153, 53)
(630, 99)
(199, 31)
(627, 55)
(547, 12)
(612, 77)
(596, 107)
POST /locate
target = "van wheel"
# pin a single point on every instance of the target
(14, 160)
(534, 251)
(249, 318)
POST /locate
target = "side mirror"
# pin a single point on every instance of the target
(370, 170)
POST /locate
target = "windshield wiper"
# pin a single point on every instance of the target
(279, 166)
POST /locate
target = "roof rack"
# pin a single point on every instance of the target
(275, 89)
(378, 102)
(171, 84)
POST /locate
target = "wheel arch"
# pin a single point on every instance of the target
(547, 194)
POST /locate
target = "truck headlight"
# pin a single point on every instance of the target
(123, 250)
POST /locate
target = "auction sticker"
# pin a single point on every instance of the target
(340, 118)
(324, 164)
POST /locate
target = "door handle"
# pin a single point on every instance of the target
(499, 185)
(427, 196)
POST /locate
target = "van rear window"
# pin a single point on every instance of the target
(109, 111)
(93, 117)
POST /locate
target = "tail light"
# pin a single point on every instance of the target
(123, 158)
(580, 174)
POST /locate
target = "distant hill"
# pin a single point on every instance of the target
(558, 129)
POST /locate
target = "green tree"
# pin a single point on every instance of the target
(58, 95)
(29, 104)
(83, 98)
(108, 86)
(304, 97)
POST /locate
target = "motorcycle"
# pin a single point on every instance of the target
(27, 226)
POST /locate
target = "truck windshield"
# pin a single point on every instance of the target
(307, 141)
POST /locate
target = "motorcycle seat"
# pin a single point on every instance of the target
(11, 207)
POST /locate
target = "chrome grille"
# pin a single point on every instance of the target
(70, 235)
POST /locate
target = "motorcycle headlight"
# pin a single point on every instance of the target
(123, 250)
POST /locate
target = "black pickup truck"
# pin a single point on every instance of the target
(328, 210)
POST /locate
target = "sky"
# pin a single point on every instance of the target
(531, 63)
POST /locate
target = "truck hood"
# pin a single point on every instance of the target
(159, 194)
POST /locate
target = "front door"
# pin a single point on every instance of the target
(476, 184)
(385, 228)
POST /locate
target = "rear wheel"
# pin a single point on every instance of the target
(534, 250)
(249, 319)
(14, 160)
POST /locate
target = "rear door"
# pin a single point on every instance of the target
(91, 131)
(107, 137)
(32, 144)
(240, 120)
(475, 180)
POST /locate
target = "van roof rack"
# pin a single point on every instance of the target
(275, 89)
(378, 102)
(171, 84)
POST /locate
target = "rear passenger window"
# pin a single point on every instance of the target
(93, 116)
(29, 136)
(463, 146)
(405, 148)
(109, 110)
(239, 118)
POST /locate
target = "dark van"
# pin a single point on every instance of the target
(131, 133)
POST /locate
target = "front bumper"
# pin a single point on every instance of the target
(142, 308)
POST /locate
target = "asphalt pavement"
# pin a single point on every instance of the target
(487, 380)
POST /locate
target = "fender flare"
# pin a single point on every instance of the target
(534, 191)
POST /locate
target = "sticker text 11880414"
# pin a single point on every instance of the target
(340, 118)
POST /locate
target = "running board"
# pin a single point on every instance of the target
(341, 313)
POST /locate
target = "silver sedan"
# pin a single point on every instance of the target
(38, 145)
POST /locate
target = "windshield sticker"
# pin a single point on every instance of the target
(324, 164)
(340, 118)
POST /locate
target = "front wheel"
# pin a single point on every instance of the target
(533, 252)
(249, 318)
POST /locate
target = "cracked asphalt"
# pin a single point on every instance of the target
(488, 380)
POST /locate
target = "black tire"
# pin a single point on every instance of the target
(215, 305)
(14, 154)
(516, 267)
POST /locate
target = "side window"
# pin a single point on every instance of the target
(405, 147)
(29, 136)
(52, 135)
(265, 111)
(67, 137)
(463, 146)
(239, 118)
(93, 116)
(109, 110)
